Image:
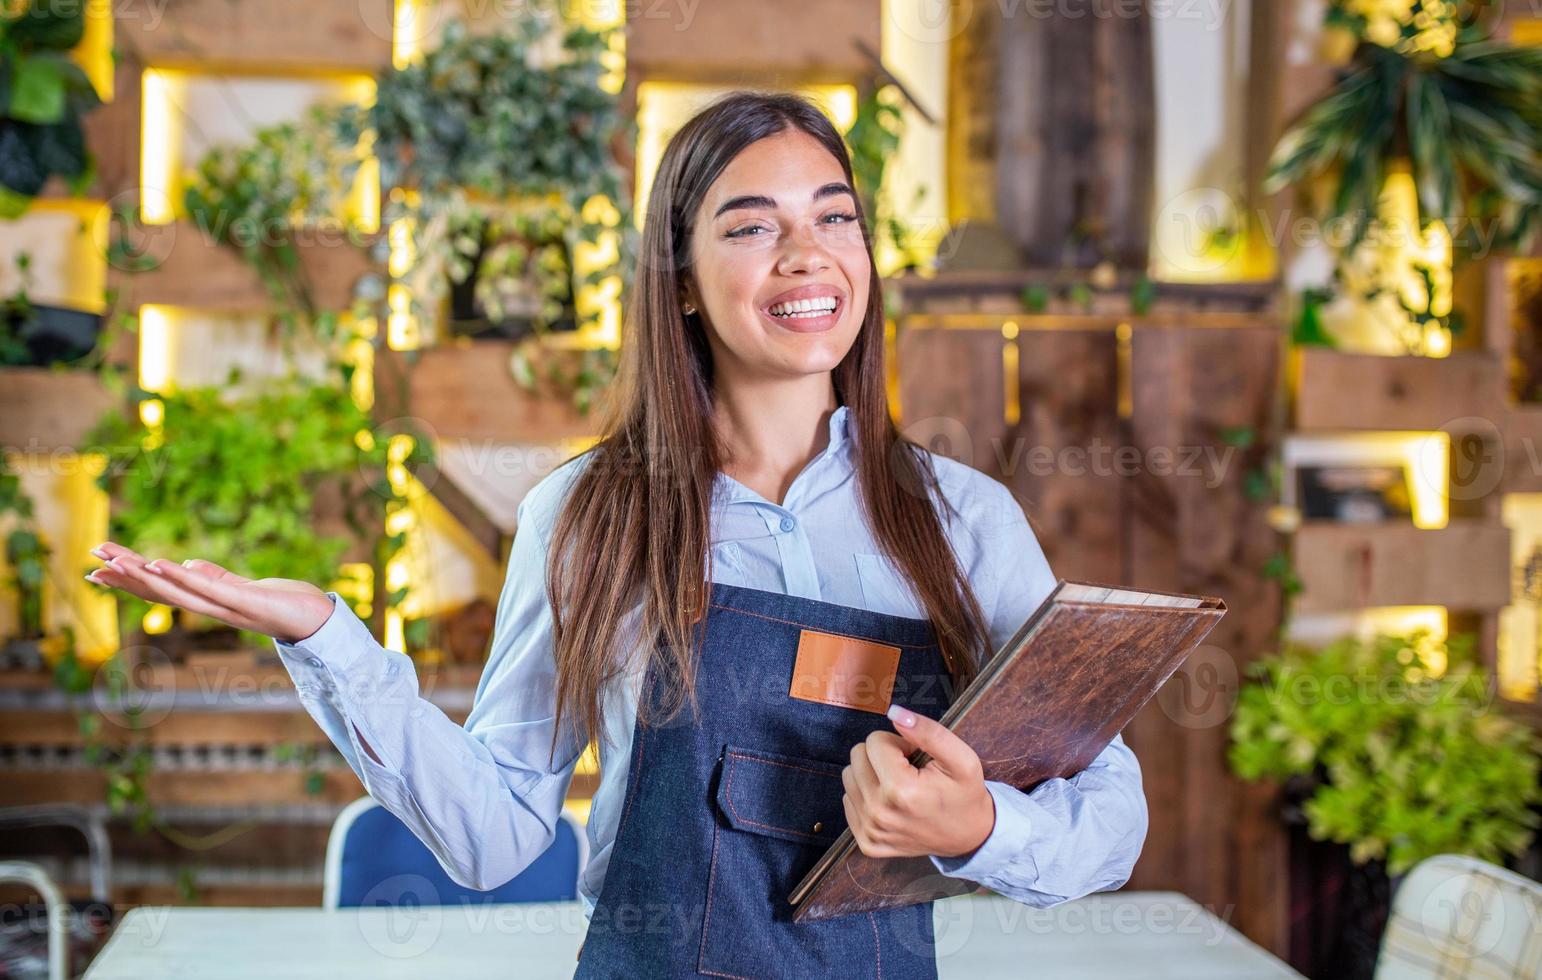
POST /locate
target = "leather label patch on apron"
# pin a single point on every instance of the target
(844, 670)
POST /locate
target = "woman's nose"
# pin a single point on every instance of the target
(803, 252)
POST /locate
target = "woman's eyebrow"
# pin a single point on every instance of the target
(745, 201)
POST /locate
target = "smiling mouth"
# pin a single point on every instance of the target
(804, 309)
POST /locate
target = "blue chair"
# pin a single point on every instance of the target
(373, 859)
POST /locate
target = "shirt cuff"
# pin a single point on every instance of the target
(1007, 844)
(332, 647)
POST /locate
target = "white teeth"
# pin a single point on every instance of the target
(804, 308)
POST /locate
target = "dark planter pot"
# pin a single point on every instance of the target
(468, 319)
(56, 334)
(1338, 909)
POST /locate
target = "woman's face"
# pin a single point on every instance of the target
(779, 267)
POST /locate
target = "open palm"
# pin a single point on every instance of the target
(283, 608)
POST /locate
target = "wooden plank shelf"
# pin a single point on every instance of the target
(1522, 450)
(188, 268)
(1338, 392)
(208, 787)
(1464, 566)
(45, 410)
(465, 390)
(724, 41)
(54, 727)
(275, 37)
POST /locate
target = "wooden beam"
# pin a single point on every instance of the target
(1348, 392)
(43, 410)
(205, 787)
(467, 512)
(274, 37)
(466, 391)
(190, 268)
(747, 41)
(1345, 567)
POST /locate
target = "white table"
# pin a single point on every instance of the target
(1150, 935)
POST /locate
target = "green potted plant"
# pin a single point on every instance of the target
(1393, 748)
(25, 554)
(496, 157)
(43, 95)
(235, 480)
(1426, 89)
(1423, 155)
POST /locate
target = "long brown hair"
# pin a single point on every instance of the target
(636, 524)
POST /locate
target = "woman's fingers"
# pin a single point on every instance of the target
(132, 575)
(112, 549)
(208, 569)
(215, 587)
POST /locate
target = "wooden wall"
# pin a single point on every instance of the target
(1173, 394)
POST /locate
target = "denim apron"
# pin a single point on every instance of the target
(725, 812)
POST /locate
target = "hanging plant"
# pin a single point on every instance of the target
(43, 95)
(874, 140)
(25, 553)
(255, 197)
(1425, 85)
(494, 150)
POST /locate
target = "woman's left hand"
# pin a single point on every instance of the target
(897, 810)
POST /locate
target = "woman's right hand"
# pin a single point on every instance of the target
(285, 609)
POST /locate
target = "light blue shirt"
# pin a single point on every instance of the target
(483, 798)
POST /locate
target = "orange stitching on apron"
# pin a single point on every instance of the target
(805, 626)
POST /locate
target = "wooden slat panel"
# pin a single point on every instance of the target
(42, 410)
(180, 727)
(952, 398)
(465, 391)
(748, 40)
(1339, 391)
(1191, 527)
(189, 268)
(274, 36)
(1065, 469)
(220, 676)
(223, 788)
(1465, 565)
(1523, 450)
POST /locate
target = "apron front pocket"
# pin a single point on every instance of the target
(788, 797)
(782, 812)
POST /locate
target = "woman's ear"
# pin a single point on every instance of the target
(688, 301)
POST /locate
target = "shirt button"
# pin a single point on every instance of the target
(787, 524)
(314, 661)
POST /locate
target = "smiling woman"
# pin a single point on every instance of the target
(750, 491)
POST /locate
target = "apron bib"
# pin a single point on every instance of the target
(726, 812)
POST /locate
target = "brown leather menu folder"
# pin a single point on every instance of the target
(1044, 706)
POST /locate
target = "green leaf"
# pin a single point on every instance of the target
(38, 90)
(20, 170)
(48, 26)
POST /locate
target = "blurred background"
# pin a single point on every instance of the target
(1239, 297)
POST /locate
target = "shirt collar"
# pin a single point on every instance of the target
(839, 449)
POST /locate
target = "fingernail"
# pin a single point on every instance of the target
(155, 566)
(98, 552)
(91, 577)
(187, 563)
(902, 716)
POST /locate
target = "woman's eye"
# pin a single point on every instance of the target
(745, 231)
(840, 216)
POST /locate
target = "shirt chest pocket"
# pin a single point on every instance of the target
(884, 589)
